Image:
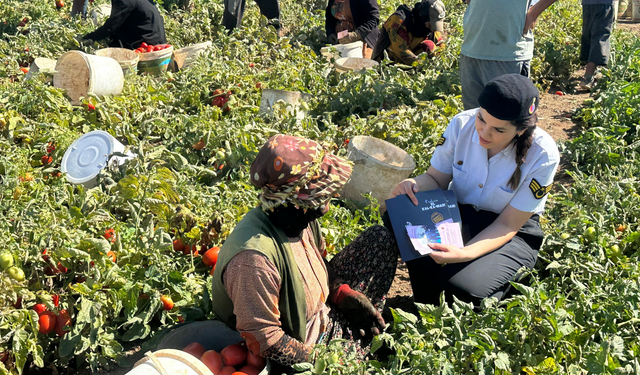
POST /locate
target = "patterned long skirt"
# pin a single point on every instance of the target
(368, 265)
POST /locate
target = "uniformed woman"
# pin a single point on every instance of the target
(501, 167)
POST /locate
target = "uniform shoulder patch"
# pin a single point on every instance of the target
(441, 140)
(538, 190)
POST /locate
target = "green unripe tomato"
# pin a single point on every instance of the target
(220, 155)
(16, 273)
(615, 250)
(590, 233)
(6, 260)
(333, 358)
(565, 236)
(320, 366)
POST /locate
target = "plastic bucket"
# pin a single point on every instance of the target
(44, 65)
(100, 13)
(343, 50)
(378, 167)
(84, 159)
(127, 59)
(635, 12)
(155, 62)
(183, 57)
(212, 334)
(354, 64)
(81, 74)
(169, 362)
(292, 98)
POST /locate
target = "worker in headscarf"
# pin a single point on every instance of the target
(409, 32)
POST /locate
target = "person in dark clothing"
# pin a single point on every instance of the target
(359, 18)
(131, 23)
(409, 32)
(234, 11)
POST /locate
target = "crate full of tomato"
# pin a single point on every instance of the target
(154, 59)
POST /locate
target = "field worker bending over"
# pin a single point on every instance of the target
(272, 282)
(410, 32)
(501, 167)
(234, 11)
(349, 21)
(498, 39)
(131, 23)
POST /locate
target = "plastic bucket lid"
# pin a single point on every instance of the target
(84, 159)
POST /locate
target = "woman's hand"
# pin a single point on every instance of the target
(409, 187)
(444, 254)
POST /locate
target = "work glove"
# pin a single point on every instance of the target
(332, 39)
(359, 311)
(353, 36)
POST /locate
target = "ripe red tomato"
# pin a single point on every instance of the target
(143, 45)
(191, 249)
(249, 370)
(51, 147)
(213, 269)
(112, 255)
(157, 48)
(56, 300)
(255, 361)
(234, 355)
(559, 93)
(47, 322)
(178, 245)
(210, 257)
(62, 268)
(25, 70)
(40, 308)
(4, 357)
(150, 49)
(199, 145)
(110, 235)
(45, 257)
(90, 107)
(227, 370)
(62, 319)
(195, 349)
(139, 50)
(212, 360)
(167, 302)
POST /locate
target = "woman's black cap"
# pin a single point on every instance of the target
(510, 97)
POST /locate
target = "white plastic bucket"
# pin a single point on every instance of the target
(635, 12)
(292, 98)
(184, 57)
(344, 50)
(378, 167)
(155, 62)
(84, 159)
(82, 74)
(354, 64)
(44, 65)
(211, 334)
(169, 362)
(127, 59)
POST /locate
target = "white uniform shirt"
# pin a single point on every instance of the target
(483, 182)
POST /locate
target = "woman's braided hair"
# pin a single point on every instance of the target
(523, 143)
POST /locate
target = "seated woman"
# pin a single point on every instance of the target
(272, 282)
(358, 18)
(501, 167)
(410, 32)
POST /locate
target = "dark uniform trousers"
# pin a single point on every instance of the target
(487, 276)
(234, 10)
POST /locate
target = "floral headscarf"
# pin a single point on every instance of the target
(297, 170)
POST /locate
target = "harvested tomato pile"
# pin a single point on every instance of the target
(234, 359)
(144, 47)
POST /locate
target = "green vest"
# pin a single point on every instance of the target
(256, 232)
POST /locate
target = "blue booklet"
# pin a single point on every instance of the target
(436, 219)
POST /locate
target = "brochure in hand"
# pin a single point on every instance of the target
(436, 219)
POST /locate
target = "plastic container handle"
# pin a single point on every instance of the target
(156, 363)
